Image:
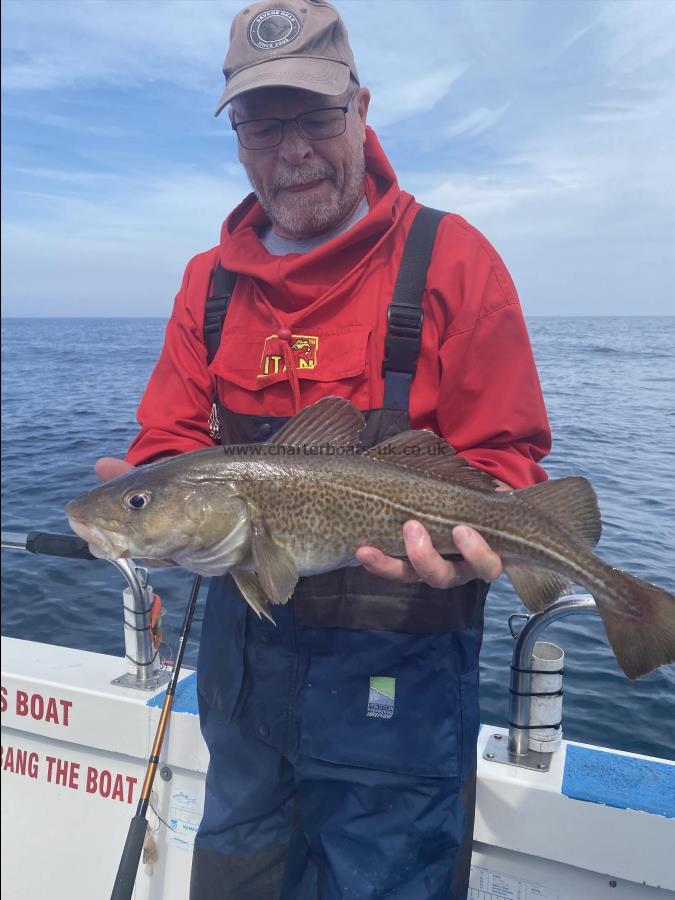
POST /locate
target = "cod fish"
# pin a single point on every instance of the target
(305, 501)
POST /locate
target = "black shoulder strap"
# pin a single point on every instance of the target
(220, 291)
(404, 314)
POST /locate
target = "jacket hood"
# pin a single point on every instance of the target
(293, 282)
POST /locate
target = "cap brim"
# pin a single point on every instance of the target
(323, 76)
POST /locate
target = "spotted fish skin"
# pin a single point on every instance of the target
(324, 508)
(305, 502)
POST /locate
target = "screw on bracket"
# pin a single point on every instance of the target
(165, 773)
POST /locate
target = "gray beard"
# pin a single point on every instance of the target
(301, 216)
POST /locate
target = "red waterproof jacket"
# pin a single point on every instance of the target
(476, 384)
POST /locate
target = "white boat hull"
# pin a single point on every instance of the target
(74, 756)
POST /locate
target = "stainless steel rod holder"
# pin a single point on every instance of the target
(142, 660)
(521, 663)
(143, 666)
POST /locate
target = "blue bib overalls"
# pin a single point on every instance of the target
(342, 741)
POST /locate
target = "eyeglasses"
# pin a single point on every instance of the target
(316, 125)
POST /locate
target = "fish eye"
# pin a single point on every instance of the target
(134, 500)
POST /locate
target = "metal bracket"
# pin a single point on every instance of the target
(524, 617)
(497, 750)
(131, 681)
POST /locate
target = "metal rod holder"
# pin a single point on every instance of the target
(143, 671)
(516, 750)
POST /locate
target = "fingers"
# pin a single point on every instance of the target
(477, 553)
(108, 467)
(425, 564)
(503, 486)
(378, 563)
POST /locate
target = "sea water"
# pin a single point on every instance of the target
(70, 388)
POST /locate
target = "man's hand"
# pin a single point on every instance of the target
(425, 564)
(108, 467)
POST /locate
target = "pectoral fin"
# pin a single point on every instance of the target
(249, 585)
(537, 588)
(274, 565)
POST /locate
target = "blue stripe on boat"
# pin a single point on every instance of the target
(621, 781)
(185, 699)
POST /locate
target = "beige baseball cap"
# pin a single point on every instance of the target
(292, 43)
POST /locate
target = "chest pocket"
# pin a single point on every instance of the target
(253, 360)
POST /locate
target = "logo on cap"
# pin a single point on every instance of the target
(273, 28)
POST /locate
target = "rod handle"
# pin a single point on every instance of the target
(57, 545)
(133, 847)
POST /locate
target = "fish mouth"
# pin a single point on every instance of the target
(102, 544)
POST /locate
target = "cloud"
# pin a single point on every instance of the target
(414, 94)
(547, 125)
(57, 44)
(127, 261)
(642, 35)
(573, 182)
(476, 121)
(70, 44)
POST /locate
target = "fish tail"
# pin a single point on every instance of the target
(639, 619)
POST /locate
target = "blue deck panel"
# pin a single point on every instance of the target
(185, 700)
(621, 781)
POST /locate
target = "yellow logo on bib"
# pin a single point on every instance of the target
(303, 346)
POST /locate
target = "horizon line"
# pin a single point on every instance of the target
(526, 315)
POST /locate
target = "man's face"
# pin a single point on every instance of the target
(305, 187)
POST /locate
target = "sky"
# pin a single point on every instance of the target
(548, 125)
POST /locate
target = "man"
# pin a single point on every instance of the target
(342, 741)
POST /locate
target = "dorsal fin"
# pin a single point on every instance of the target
(330, 421)
(425, 451)
(572, 502)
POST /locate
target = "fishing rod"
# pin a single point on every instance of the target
(46, 543)
(131, 854)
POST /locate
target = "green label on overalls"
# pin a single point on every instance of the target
(381, 697)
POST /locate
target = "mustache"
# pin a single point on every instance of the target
(302, 175)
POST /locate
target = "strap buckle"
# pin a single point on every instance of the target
(404, 337)
(214, 313)
(404, 321)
